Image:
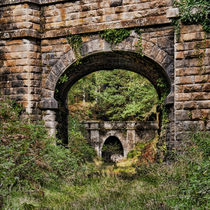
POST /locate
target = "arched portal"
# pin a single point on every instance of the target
(97, 55)
(106, 61)
(112, 147)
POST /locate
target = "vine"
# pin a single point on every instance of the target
(115, 36)
(75, 41)
(139, 43)
(194, 12)
(176, 23)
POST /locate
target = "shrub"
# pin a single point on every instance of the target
(194, 188)
(78, 144)
(28, 157)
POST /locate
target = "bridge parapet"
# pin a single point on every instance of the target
(128, 132)
(120, 125)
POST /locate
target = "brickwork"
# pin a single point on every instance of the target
(35, 53)
(192, 82)
(20, 72)
(94, 15)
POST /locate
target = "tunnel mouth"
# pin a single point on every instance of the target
(125, 60)
(112, 150)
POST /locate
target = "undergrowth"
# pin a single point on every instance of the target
(36, 174)
(29, 160)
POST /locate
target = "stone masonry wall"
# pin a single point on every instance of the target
(33, 40)
(20, 73)
(129, 133)
(192, 81)
(19, 20)
(53, 49)
(96, 15)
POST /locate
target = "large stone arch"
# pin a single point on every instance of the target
(97, 54)
(98, 45)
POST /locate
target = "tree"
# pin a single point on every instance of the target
(116, 95)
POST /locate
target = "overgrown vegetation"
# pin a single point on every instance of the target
(139, 44)
(36, 174)
(115, 36)
(75, 41)
(114, 95)
(193, 12)
(29, 160)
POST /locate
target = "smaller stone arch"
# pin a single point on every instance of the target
(118, 134)
(112, 149)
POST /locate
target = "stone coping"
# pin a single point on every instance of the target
(120, 125)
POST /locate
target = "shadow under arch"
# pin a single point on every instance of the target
(106, 61)
(112, 146)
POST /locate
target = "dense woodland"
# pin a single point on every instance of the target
(113, 95)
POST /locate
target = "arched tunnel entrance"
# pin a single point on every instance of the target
(112, 149)
(155, 65)
(106, 61)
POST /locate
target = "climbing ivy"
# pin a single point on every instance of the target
(115, 36)
(176, 23)
(192, 12)
(75, 41)
(139, 43)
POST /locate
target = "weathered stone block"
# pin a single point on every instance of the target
(48, 103)
(183, 115)
(172, 13)
(193, 36)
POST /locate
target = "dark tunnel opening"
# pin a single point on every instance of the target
(112, 149)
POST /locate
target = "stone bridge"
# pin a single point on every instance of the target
(129, 133)
(38, 66)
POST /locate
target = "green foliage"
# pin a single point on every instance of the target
(139, 44)
(157, 186)
(35, 174)
(194, 188)
(75, 41)
(63, 79)
(29, 160)
(116, 95)
(194, 12)
(78, 144)
(176, 23)
(115, 36)
(113, 148)
(137, 150)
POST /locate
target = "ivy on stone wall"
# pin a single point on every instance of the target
(75, 41)
(193, 12)
(115, 36)
(139, 44)
(63, 79)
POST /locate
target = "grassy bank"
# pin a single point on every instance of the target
(35, 174)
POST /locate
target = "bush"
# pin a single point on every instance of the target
(28, 157)
(78, 144)
(194, 188)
